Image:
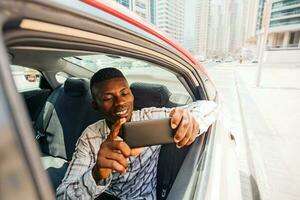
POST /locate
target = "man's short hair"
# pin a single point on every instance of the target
(103, 75)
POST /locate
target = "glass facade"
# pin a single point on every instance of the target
(284, 22)
(153, 11)
(284, 13)
(293, 11)
(281, 4)
(260, 14)
(284, 25)
(124, 2)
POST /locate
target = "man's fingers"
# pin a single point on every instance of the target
(195, 128)
(176, 116)
(136, 151)
(182, 128)
(119, 158)
(188, 133)
(111, 164)
(104, 173)
(120, 146)
(116, 128)
(194, 132)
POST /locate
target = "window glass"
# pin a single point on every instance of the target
(25, 78)
(61, 77)
(136, 71)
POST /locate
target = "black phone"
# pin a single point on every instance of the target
(148, 132)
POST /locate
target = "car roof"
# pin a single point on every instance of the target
(119, 15)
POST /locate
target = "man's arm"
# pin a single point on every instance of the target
(205, 113)
(78, 182)
(190, 121)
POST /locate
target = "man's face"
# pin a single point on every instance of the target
(114, 98)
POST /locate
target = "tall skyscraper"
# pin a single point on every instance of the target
(170, 18)
(219, 28)
(123, 2)
(250, 12)
(140, 7)
(153, 11)
(214, 25)
(238, 18)
(189, 25)
(201, 27)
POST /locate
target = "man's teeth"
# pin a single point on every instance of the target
(121, 112)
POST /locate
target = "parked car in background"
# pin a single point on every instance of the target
(218, 60)
(67, 42)
(201, 58)
(254, 60)
(228, 59)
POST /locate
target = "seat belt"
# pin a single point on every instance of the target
(169, 163)
(40, 128)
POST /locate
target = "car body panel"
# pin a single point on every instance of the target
(215, 172)
(22, 175)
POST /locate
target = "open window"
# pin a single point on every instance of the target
(137, 72)
(66, 54)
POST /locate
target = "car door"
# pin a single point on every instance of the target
(21, 173)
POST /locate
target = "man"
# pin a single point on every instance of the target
(102, 162)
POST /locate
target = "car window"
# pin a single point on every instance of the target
(25, 78)
(136, 71)
(61, 77)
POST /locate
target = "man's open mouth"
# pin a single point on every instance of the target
(122, 113)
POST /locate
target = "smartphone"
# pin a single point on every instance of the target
(148, 132)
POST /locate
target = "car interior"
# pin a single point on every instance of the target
(58, 98)
(60, 109)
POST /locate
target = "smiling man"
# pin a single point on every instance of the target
(104, 164)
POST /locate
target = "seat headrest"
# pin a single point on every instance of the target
(76, 87)
(148, 95)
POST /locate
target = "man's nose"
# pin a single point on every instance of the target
(120, 101)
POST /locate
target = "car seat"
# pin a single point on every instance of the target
(170, 157)
(150, 95)
(66, 114)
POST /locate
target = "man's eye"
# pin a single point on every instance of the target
(107, 99)
(125, 93)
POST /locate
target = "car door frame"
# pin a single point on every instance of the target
(21, 127)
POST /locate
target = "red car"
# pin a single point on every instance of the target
(67, 41)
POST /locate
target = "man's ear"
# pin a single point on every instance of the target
(94, 105)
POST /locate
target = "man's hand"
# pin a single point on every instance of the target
(113, 154)
(187, 127)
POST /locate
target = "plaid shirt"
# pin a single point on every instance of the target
(139, 182)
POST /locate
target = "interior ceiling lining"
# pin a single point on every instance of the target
(58, 29)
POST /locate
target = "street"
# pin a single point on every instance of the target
(265, 121)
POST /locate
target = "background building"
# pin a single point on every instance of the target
(124, 2)
(285, 24)
(237, 27)
(218, 27)
(283, 43)
(140, 7)
(201, 28)
(167, 15)
(170, 18)
(153, 11)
